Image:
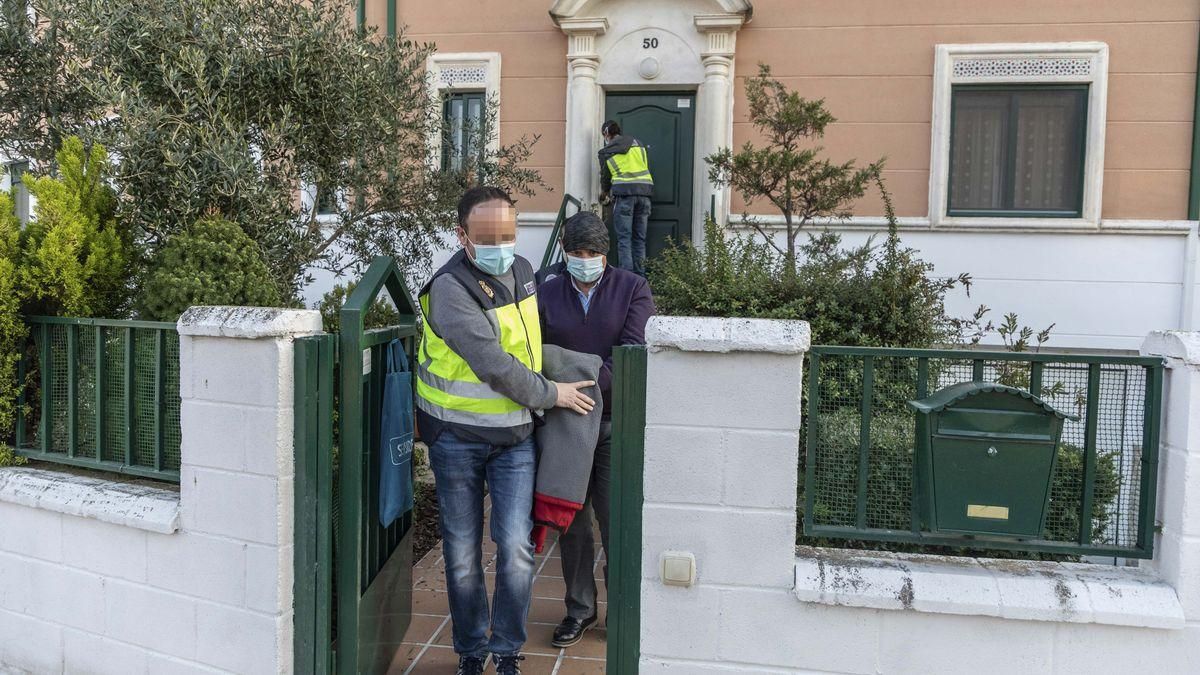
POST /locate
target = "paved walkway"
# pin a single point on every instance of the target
(428, 650)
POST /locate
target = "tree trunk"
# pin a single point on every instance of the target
(790, 258)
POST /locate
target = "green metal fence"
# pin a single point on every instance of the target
(101, 394)
(859, 439)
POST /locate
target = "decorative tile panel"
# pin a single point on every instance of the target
(1018, 66)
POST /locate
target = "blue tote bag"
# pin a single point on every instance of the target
(396, 437)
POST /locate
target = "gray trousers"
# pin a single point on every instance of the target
(577, 543)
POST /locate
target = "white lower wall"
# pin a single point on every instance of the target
(723, 411)
(103, 577)
(1102, 289)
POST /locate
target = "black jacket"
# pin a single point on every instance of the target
(618, 146)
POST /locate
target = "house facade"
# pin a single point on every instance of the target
(1043, 147)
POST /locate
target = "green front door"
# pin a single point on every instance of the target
(666, 124)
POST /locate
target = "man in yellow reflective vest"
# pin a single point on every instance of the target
(625, 174)
(479, 382)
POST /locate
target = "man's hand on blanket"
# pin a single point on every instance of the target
(569, 396)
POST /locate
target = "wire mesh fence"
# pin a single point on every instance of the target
(860, 440)
(102, 394)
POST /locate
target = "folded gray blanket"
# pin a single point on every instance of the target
(566, 441)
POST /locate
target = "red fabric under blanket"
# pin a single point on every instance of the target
(551, 512)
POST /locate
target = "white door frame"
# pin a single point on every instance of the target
(609, 49)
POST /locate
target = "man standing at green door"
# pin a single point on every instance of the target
(625, 175)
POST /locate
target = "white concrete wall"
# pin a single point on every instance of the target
(1101, 289)
(100, 577)
(723, 410)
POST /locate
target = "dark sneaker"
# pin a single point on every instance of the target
(508, 665)
(469, 665)
(571, 630)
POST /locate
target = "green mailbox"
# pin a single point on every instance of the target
(985, 458)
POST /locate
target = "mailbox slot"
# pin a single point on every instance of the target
(995, 424)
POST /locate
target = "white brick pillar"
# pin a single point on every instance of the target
(722, 443)
(1177, 549)
(237, 475)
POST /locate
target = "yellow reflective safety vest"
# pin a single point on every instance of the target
(631, 167)
(447, 389)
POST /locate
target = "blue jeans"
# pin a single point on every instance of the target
(460, 468)
(631, 213)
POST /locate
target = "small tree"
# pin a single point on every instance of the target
(789, 171)
(75, 258)
(72, 259)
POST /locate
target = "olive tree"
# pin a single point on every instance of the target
(225, 108)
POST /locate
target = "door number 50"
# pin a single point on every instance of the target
(650, 43)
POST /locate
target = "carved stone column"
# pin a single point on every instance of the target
(714, 109)
(583, 106)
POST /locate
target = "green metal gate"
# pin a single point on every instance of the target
(353, 588)
(625, 510)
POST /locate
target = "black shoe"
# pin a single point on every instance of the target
(571, 630)
(508, 665)
(469, 665)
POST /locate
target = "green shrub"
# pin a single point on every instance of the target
(74, 258)
(382, 313)
(71, 259)
(10, 458)
(1062, 522)
(872, 295)
(890, 483)
(12, 329)
(211, 263)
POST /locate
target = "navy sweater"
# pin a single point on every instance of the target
(617, 315)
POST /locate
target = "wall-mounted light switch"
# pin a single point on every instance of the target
(678, 568)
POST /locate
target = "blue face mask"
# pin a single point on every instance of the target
(495, 260)
(585, 270)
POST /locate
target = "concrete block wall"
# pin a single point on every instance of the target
(1177, 548)
(722, 420)
(197, 580)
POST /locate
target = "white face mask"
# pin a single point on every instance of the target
(585, 270)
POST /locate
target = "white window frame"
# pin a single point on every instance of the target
(463, 71)
(308, 203)
(1020, 63)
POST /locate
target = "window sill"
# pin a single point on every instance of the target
(1015, 222)
(1009, 589)
(141, 507)
(771, 222)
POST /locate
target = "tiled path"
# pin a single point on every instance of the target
(427, 648)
